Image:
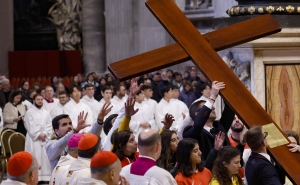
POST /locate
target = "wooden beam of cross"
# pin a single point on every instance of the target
(174, 54)
(207, 60)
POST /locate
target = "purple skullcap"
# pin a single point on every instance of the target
(74, 140)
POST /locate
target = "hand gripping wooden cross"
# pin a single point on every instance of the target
(201, 49)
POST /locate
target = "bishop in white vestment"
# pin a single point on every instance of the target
(39, 130)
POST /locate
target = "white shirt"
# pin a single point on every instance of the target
(61, 169)
(154, 176)
(78, 169)
(119, 103)
(27, 104)
(92, 103)
(143, 115)
(49, 106)
(151, 103)
(57, 110)
(171, 107)
(90, 181)
(11, 182)
(73, 109)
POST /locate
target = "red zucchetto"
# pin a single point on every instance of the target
(103, 158)
(87, 141)
(19, 163)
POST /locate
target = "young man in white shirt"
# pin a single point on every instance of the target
(89, 100)
(63, 98)
(143, 119)
(119, 98)
(74, 107)
(148, 92)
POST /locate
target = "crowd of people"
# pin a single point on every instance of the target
(161, 128)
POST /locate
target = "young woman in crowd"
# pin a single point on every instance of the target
(169, 143)
(60, 88)
(90, 80)
(189, 169)
(226, 167)
(14, 112)
(54, 82)
(125, 147)
(25, 89)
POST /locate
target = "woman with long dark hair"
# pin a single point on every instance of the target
(226, 167)
(25, 89)
(125, 147)
(169, 143)
(13, 113)
(189, 168)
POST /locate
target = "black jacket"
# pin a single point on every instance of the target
(260, 171)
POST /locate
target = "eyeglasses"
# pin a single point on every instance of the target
(266, 134)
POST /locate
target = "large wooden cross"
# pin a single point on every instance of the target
(202, 51)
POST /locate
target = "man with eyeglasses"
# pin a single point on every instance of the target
(260, 168)
(59, 108)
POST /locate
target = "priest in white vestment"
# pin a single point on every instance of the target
(61, 169)
(144, 171)
(148, 92)
(101, 161)
(22, 169)
(88, 146)
(143, 119)
(167, 106)
(49, 102)
(106, 98)
(119, 98)
(59, 108)
(90, 101)
(74, 107)
(39, 130)
(182, 108)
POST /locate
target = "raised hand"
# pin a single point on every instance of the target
(168, 121)
(215, 88)
(219, 140)
(134, 87)
(81, 121)
(123, 181)
(104, 111)
(129, 107)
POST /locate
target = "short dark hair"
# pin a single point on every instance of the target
(90, 152)
(177, 74)
(55, 121)
(254, 137)
(14, 94)
(204, 85)
(183, 153)
(63, 92)
(165, 89)
(195, 108)
(36, 95)
(118, 87)
(139, 92)
(173, 87)
(76, 87)
(169, 70)
(187, 83)
(107, 123)
(150, 141)
(88, 85)
(39, 91)
(145, 87)
(105, 88)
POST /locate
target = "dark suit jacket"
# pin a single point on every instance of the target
(205, 140)
(260, 171)
(2, 100)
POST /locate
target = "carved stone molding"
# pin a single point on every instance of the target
(281, 9)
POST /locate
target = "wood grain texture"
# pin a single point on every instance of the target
(235, 93)
(283, 101)
(174, 54)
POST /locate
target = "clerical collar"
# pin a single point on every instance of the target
(49, 101)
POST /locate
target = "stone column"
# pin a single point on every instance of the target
(93, 33)
(6, 34)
